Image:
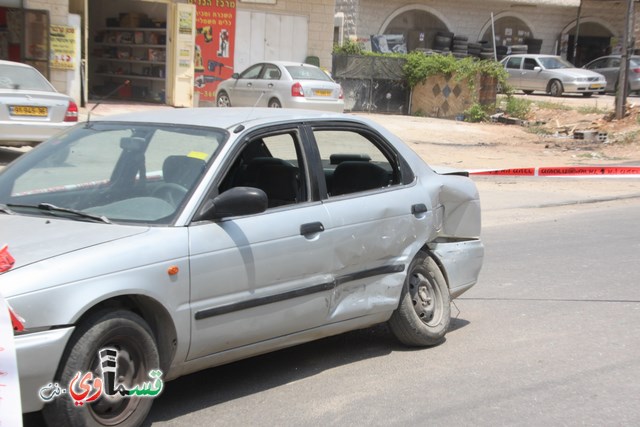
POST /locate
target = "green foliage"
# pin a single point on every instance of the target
(348, 47)
(476, 113)
(420, 66)
(518, 107)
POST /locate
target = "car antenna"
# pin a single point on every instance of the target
(126, 83)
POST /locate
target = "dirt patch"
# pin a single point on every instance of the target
(547, 140)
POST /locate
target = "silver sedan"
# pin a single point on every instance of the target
(281, 84)
(165, 243)
(609, 66)
(31, 110)
(550, 74)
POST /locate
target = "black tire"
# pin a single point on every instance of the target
(555, 88)
(274, 103)
(527, 92)
(223, 99)
(138, 354)
(424, 313)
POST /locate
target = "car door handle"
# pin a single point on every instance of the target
(419, 208)
(270, 85)
(249, 85)
(311, 228)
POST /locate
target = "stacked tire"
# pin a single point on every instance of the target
(474, 49)
(519, 49)
(487, 50)
(501, 52)
(443, 41)
(460, 47)
(533, 45)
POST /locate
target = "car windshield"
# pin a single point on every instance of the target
(299, 72)
(553, 63)
(25, 78)
(122, 172)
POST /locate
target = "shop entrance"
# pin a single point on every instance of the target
(127, 42)
(24, 37)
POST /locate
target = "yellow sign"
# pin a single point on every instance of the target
(63, 47)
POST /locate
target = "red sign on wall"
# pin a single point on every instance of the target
(215, 41)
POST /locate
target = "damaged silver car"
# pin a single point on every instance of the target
(148, 246)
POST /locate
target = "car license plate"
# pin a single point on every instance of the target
(596, 86)
(323, 92)
(21, 110)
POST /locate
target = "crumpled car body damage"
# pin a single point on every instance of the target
(224, 234)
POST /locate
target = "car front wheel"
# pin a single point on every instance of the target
(555, 88)
(424, 313)
(223, 100)
(137, 355)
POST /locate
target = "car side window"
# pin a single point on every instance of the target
(614, 63)
(271, 73)
(273, 163)
(353, 162)
(529, 64)
(514, 63)
(601, 63)
(252, 72)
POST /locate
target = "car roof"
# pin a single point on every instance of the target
(288, 63)
(226, 118)
(532, 55)
(17, 64)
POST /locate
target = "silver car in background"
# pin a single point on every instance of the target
(609, 66)
(550, 74)
(183, 239)
(281, 84)
(31, 110)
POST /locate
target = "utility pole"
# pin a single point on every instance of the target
(627, 46)
(575, 39)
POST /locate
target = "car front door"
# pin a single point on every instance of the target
(609, 68)
(244, 92)
(530, 78)
(377, 214)
(264, 276)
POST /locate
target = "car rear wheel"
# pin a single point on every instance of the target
(555, 88)
(137, 355)
(274, 103)
(223, 100)
(424, 313)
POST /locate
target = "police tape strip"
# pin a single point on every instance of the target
(626, 171)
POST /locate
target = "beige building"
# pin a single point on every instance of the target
(265, 30)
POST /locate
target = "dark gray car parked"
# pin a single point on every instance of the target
(609, 66)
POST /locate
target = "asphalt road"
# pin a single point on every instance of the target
(548, 336)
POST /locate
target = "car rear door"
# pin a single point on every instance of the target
(513, 66)
(377, 213)
(265, 276)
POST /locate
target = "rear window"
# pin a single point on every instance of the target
(13, 77)
(299, 72)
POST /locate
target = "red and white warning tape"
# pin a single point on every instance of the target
(572, 171)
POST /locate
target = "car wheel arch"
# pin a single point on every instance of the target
(152, 312)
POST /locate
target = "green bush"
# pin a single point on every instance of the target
(476, 113)
(518, 107)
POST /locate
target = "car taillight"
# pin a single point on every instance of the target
(341, 96)
(72, 112)
(635, 70)
(16, 321)
(297, 90)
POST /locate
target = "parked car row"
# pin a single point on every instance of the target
(554, 75)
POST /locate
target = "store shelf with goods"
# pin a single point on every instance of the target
(136, 54)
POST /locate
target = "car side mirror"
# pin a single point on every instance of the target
(537, 69)
(234, 202)
(235, 76)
